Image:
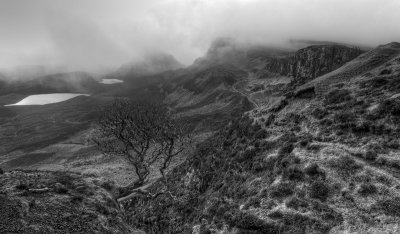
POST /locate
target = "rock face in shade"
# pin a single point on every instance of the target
(313, 61)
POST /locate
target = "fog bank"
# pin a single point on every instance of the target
(97, 35)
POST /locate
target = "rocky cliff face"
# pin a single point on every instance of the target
(313, 61)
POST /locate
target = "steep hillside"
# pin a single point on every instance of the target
(314, 164)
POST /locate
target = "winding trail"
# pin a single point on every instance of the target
(234, 89)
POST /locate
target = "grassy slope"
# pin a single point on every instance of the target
(317, 164)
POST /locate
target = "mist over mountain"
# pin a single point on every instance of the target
(151, 64)
(101, 35)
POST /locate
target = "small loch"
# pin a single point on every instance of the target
(111, 81)
(43, 99)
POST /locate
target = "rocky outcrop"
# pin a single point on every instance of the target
(313, 61)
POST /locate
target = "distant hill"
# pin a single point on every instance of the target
(151, 64)
(74, 82)
(299, 43)
(229, 51)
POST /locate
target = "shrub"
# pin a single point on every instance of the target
(250, 223)
(390, 106)
(385, 72)
(287, 138)
(108, 185)
(261, 134)
(60, 189)
(247, 155)
(293, 172)
(326, 122)
(393, 144)
(362, 127)
(337, 96)
(313, 170)
(293, 118)
(260, 164)
(345, 164)
(395, 164)
(252, 202)
(366, 189)
(279, 106)
(65, 179)
(379, 129)
(286, 149)
(296, 203)
(319, 113)
(376, 147)
(319, 190)
(281, 190)
(76, 198)
(371, 155)
(282, 162)
(382, 161)
(305, 140)
(345, 119)
(390, 206)
(101, 209)
(22, 186)
(326, 213)
(314, 147)
(256, 127)
(270, 119)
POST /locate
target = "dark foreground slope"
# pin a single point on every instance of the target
(318, 164)
(57, 202)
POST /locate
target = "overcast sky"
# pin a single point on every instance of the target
(93, 34)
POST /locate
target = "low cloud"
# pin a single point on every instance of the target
(98, 35)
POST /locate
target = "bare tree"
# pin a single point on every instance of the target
(144, 133)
